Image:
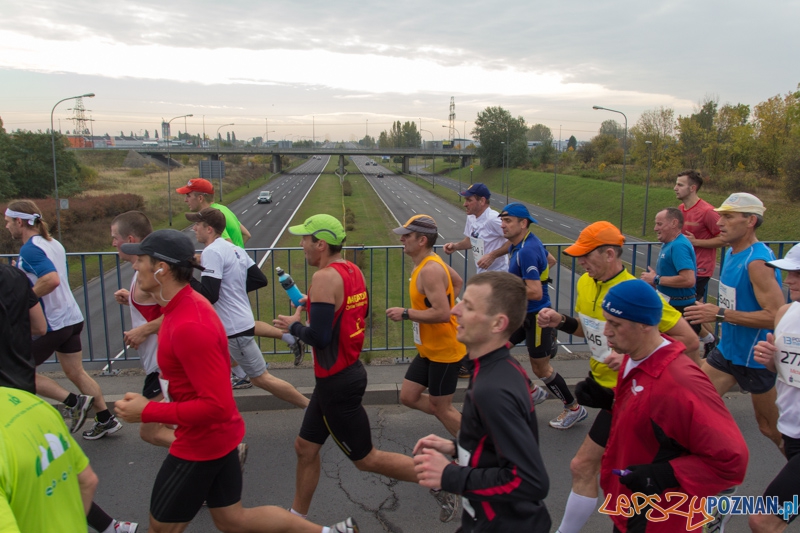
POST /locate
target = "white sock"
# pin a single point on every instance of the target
(304, 516)
(577, 512)
(111, 527)
(708, 338)
(326, 529)
(238, 372)
(288, 338)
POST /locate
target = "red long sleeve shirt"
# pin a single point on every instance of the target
(195, 371)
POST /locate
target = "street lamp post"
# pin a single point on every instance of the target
(504, 177)
(647, 186)
(433, 157)
(169, 168)
(220, 174)
(53, 145)
(555, 167)
(624, 153)
(459, 161)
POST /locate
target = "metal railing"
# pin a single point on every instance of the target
(386, 269)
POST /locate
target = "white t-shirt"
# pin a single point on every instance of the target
(39, 257)
(486, 235)
(787, 361)
(226, 261)
(149, 348)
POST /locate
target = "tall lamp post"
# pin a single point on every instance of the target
(220, 174)
(169, 168)
(647, 186)
(555, 167)
(433, 157)
(459, 166)
(504, 177)
(624, 153)
(53, 145)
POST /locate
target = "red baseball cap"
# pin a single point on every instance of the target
(197, 185)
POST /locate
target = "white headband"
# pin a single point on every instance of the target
(31, 218)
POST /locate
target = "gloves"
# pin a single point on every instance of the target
(649, 479)
(590, 393)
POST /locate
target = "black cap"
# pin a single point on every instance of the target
(167, 245)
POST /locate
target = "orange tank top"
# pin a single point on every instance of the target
(436, 342)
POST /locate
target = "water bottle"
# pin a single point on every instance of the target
(289, 286)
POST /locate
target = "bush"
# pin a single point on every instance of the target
(347, 188)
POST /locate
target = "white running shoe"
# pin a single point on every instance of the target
(569, 418)
(348, 525)
(125, 527)
(538, 395)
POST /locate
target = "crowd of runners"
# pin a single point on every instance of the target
(655, 376)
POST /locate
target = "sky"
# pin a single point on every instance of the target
(338, 70)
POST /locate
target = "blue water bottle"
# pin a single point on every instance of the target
(289, 286)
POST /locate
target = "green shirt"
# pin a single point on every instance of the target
(39, 467)
(233, 229)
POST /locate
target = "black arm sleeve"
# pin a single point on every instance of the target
(208, 287)
(255, 279)
(320, 332)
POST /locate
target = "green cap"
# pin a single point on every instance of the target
(323, 227)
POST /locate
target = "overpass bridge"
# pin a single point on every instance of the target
(162, 152)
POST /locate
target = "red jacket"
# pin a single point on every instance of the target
(666, 409)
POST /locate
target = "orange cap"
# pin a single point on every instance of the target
(595, 235)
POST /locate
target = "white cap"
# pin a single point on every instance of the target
(790, 262)
(742, 202)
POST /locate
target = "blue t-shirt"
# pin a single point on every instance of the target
(529, 261)
(736, 292)
(676, 256)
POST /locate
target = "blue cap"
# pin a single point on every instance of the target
(476, 189)
(517, 210)
(634, 300)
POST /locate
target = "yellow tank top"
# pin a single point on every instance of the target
(436, 342)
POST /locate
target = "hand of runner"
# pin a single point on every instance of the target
(130, 407)
(283, 322)
(701, 313)
(395, 313)
(614, 361)
(548, 318)
(649, 277)
(435, 442)
(485, 261)
(765, 351)
(449, 248)
(122, 296)
(429, 466)
(135, 336)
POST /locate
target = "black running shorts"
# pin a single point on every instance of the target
(182, 486)
(441, 379)
(152, 386)
(335, 409)
(64, 340)
(541, 342)
(752, 380)
(787, 483)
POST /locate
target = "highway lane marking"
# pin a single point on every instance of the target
(565, 225)
(437, 209)
(277, 204)
(257, 223)
(453, 220)
(426, 203)
(245, 211)
(414, 212)
(405, 202)
(462, 255)
(548, 219)
(284, 197)
(270, 211)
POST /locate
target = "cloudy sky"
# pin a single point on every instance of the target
(351, 67)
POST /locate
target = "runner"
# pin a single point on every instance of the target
(228, 275)
(599, 251)
(670, 431)
(146, 318)
(433, 289)
(44, 261)
(774, 353)
(200, 195)
(500, 472)
(750, 296)
(529, 262)
(337, 309)
(203, 463)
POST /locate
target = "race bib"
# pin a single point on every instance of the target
(415, 328)
(463, 459)
(727, 297)
(593, 332)
(666, 298)
(477, 248)
(164, 388)
(787, 359)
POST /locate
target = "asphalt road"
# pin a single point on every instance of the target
(127, 466)
(266, 223)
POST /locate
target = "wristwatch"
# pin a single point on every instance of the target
(405, 314)
(721, 315)
(656, 280)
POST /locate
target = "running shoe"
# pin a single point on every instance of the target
(299, 351)
(348, 525)
(708, 346)
(100, 430)
(538, 395)
(77, 415)
(718, 524)
(569, 418)
(243, 383)
(448, 503)
(464, 372)
(125, 527)
(242, 449)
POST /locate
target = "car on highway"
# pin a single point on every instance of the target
(380, 174)
(265, 197)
